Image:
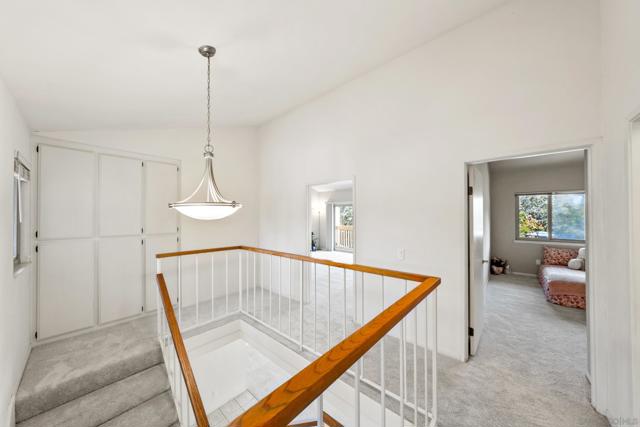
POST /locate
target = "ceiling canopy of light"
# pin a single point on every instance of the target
(206, 202)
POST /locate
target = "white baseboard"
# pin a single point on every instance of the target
(524, 274)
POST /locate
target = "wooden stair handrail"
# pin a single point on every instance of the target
(281, 406)
(183, 358)
(354, 267)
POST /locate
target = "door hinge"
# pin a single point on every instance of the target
(36, 248)
(142, 241)
(37, 148)
(142, 308)
(36, 334)
(142, 230)
(36, 234)
(470, 191)
(142, 164)
(470, 331)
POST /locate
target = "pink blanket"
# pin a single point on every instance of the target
(563, 285)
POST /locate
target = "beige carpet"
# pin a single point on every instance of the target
(530, 366)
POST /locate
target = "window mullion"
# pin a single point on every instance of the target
(549, 217)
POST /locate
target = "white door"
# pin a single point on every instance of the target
(120, 191)
(161, 188)
(65, 286)
(478, 252)
(65, 193)
(121, 278)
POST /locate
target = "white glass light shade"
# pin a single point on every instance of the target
(206, 202)
(206, 211)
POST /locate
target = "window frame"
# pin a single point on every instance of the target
(21, 208)
(549, 237)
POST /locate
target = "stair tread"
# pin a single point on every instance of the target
(159, 411)
(59, 372)
(106, 403)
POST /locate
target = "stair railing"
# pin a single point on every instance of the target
(315, 305)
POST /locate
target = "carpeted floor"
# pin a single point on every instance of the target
(529, 369)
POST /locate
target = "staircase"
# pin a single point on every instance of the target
(113, 377)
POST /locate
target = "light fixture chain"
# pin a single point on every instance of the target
(208, 148)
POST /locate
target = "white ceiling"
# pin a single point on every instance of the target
(78, 64)
(554, 159)
(333, 186)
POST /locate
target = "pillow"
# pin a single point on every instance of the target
(558, 256)
(576, 264)
(582, 253)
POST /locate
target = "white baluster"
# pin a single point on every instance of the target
(362, 359)
(262, 281)
(356, 405)
(180, 291)
(329, 307)
(226, 283)
(255, 312)
(320, 413)
(270, 288)
(344, 303)
(213, 292)
(290, 287)
(315, 308)
(247, 280)
(240, 287)
(158, 310)
(415, 366)
(434, 364)
(383, 387)
(280, 294)
(426, 362)
(197, 290)
(301, 295)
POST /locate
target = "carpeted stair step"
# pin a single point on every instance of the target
(68, 369)
(159, 411)
(106, 403)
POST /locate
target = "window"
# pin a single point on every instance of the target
(557, 216)
(21, 178)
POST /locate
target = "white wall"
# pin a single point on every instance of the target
(492, 87)
(524, 78)
(235, 167)
(15, 292)
(621, 101)
(505, 183)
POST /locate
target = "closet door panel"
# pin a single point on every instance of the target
(121, 278)
(66, 179)
(120, 190)
(155, 245)
(161, 188)
(66, 286)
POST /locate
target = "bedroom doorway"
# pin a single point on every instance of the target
(331, 221)
(528, 265)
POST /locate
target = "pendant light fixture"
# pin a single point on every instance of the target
(206, 202)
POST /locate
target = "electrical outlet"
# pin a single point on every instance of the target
(400, 253)
(537, 262)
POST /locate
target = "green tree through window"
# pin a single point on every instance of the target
(551, 216)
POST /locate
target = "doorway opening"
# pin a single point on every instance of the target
(331, 221)
(528, 265)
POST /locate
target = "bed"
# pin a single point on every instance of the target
(562, 285)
